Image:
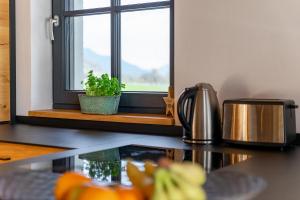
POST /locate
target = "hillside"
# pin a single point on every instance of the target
(101, 64)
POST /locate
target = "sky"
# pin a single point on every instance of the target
(145, 34)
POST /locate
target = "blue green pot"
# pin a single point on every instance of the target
(103, 105)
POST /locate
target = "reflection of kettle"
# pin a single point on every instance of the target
(199, 113)
(208, 160)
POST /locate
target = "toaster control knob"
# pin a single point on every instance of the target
(293, 106)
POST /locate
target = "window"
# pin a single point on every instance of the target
(145, 50)
(128, 39)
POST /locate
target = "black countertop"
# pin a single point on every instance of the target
(278, 168)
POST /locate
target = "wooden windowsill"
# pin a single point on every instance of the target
(154, 119)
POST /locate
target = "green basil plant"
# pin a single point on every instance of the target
(102, 85)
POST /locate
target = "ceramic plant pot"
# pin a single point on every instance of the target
(103, 105)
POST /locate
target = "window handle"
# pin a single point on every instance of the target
(53, 22)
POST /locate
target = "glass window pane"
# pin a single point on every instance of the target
(127, 2)
(88, 4)
(89, 47)
(146, 50)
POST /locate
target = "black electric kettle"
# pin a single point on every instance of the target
(199, 113)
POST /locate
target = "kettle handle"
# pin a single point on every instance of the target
(188, 93)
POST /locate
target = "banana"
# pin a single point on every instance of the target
(191, 173)
(137, 177)
(150, 168)
(176, 182)
(159, 190)
(174, 193)
(140, 180)
(191, 192)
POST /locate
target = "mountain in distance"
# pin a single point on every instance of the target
(104, 62)
(101, 63)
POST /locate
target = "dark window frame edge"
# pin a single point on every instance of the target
(12, 42)
(117, 7)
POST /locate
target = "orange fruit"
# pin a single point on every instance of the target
(148, 190)
(74, 192)
(94, 192)
(129, 193)
(68, 181)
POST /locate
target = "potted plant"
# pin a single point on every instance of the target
(102, 95)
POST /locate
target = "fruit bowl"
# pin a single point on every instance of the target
(165, 181)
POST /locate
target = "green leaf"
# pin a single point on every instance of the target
(102, 86)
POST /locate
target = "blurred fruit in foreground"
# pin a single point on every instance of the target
(140, 180)
(150, 168)
(164, 162)
(179, 181)
(74, 186)
(129, 193)
(169, 181)
(98, 193)
(189, 172)
(73, 193)
(137, 177)
(67, 181)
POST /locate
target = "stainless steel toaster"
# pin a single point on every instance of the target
(259, 121)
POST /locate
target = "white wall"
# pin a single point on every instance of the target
(41, 54)
(23, 56)
(34, 56)
(244, 48)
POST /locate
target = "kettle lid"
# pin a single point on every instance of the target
(205, 86)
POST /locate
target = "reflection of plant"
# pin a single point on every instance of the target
(101, 170)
